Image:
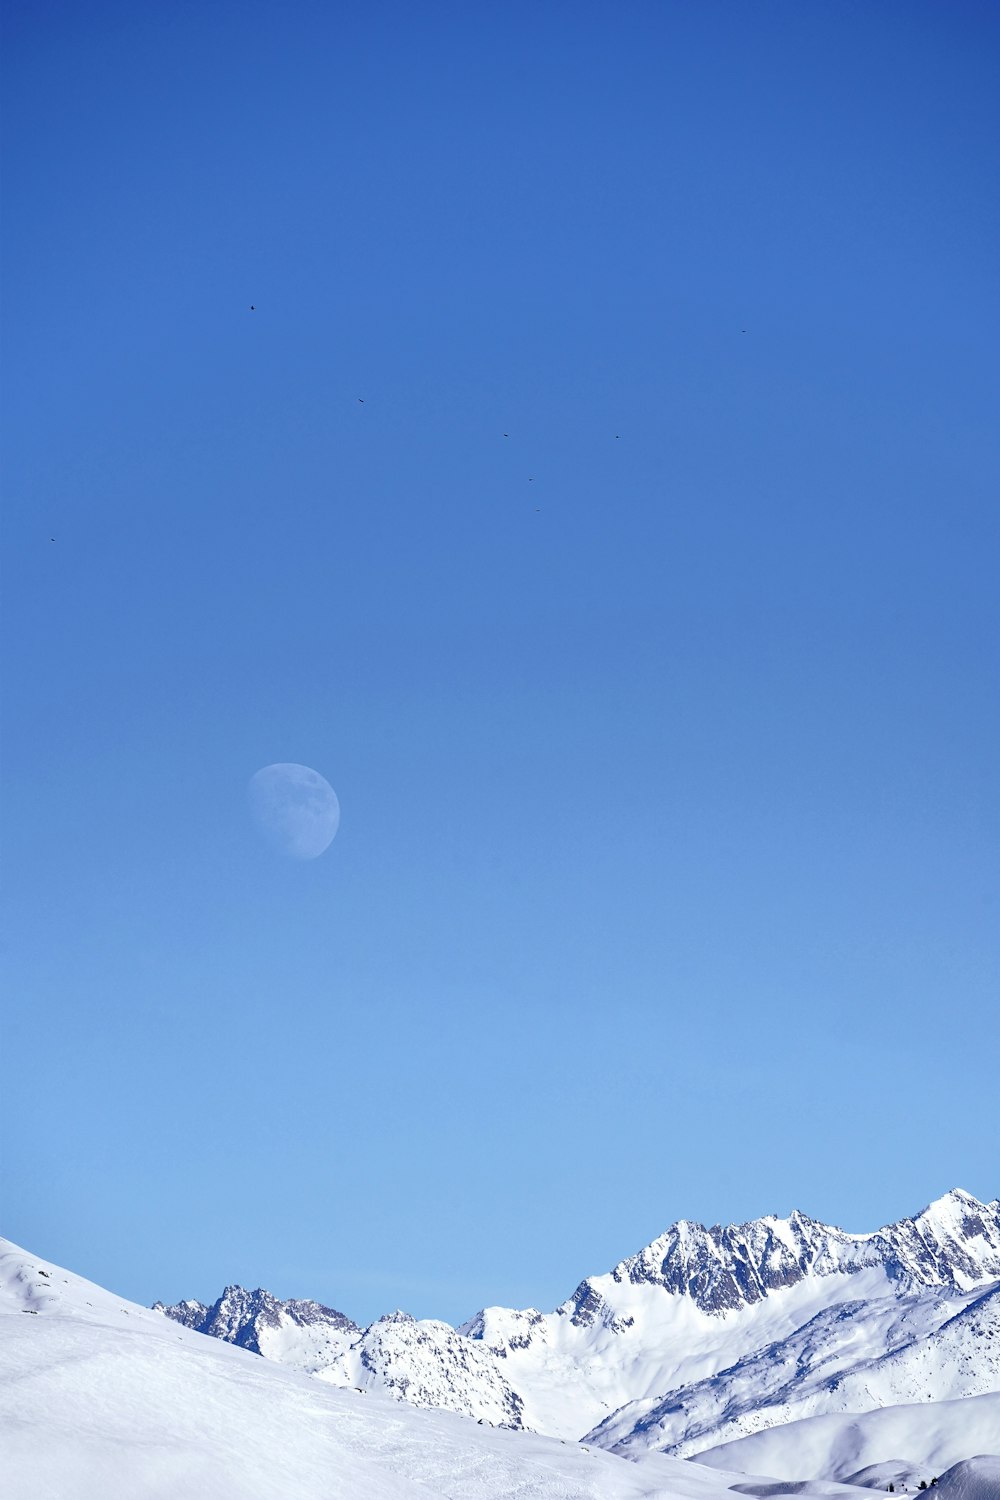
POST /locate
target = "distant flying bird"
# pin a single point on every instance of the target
(506, 434)
(252, 308)
(361, 399)
(51, 538)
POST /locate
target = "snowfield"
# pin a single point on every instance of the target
(926, 1439)
(973, 1479)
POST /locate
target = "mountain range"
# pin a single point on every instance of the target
(792, 1358)
(705, 1337)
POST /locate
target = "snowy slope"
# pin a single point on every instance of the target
(928, 1439)
(428, 1364)
(973, 1479)
(634, 1340)
(940, 1347)
(104, 1400)
(717, 1322)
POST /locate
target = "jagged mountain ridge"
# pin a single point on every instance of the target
(724, 1268)
(427, 1364)
(693, 1304)
(246, 1318)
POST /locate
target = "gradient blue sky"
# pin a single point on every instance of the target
(665, 729)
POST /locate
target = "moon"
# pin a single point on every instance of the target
(295, 808)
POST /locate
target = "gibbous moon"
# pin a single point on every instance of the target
(295, 808)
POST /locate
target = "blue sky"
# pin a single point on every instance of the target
(665, 728)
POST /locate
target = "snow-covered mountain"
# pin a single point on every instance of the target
(935, 1353)
(246, 1318)
(703, 1336)
(304, 1334)
(953, 1242)
(103, 1400)
(427, 1363)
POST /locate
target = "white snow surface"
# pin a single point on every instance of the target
(925, 1439)
(973, 1479)
(101, 1399)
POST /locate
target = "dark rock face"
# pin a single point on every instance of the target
(239, 1316)
(954, 1242)
(587, 1305)
(722, 1268)
(306, 1312)
(191, 1314)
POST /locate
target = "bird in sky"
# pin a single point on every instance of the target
(252, 308)
(361, 400)
(506, 434)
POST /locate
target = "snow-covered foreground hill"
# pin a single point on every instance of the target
(920, 1442)
(703, 1337)
(103, 1400)
(973, 1479)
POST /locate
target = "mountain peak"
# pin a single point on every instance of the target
(955, 1201)
(397, 1316)
(243, 1317)
(954, 1241)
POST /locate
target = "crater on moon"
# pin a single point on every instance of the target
(295, 808)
